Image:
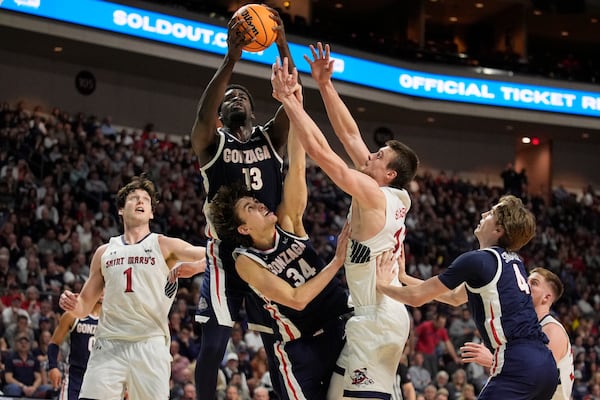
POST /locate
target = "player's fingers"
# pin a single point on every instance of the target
(320, 47)
(313, 51)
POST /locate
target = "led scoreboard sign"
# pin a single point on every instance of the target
(196, 35)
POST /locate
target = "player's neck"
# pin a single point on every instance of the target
(242, 132)
(541, 311)
(264, 241)
(133, 235)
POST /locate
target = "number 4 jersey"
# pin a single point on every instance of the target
(499, 296)
(137, 294)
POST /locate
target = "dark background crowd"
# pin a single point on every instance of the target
(59, 173)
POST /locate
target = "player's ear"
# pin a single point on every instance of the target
(391, 174)
(243, 229)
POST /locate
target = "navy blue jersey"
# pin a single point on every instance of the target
(82, 341)
(254, 162)
(294, 260)
(499, 295)
(257, 163)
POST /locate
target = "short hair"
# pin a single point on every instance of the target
(553, 281)
(405, 164)
(222, 211)
(240, 87)
(137, 182)
(516, 220)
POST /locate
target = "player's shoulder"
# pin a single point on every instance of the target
(101, 249)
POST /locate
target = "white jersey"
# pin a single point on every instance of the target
(565, 365)
(370, 365)
(137, 295)
(360, 257)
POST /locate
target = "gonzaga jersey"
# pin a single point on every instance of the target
(496, 287)
(294, 260)
(565, 365)
(254, 162)
(137, 295)
(257, 163)
(82, 340)
(360, 257)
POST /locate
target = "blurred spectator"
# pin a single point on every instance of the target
(468, 393)
(12, 314)
(20, 328)
(462, 329)
(420, 376)
(253, 341)
(433, 341)
(23, 372)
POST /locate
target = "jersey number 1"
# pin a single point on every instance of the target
(128, 280)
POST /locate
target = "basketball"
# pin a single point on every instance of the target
(257, 19)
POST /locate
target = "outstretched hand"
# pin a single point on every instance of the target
(477, 353)
(280, 39)
(285, 84)
(342, 242)
(321, 65)
(387, 267)
(68, 300)
(237, 38)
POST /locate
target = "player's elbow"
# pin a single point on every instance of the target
(297, 304)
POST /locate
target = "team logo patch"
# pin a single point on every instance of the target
(170, 288)
(359, 253)
(360, 378)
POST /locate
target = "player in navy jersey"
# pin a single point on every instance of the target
(546, 288)
(493, 281)
(230, 147)
(276, 258)
(81, 339)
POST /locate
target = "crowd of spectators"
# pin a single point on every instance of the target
(58, 177)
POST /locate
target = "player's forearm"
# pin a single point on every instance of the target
(405, 294)
(305, 293)
(340, 117)
(308, 132)
(206, 113)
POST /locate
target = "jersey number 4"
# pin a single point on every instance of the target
(521, 281)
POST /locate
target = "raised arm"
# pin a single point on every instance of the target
(175, 250)
(295, 193)
(203, 132)
(363, 188)
(279, 126)
(344, 125)
(454, 297)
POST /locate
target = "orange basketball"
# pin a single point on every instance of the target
(260, 25)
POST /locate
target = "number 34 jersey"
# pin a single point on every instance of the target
(137, 294)
(294, 260)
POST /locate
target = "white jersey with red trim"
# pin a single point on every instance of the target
(565, 365)
(137, 294)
